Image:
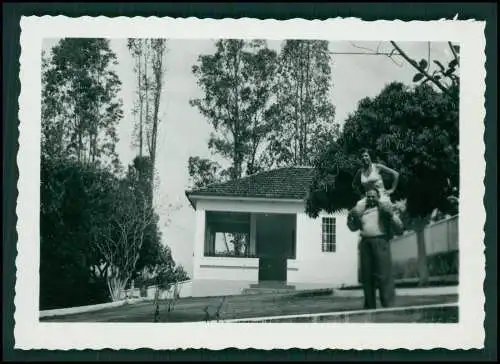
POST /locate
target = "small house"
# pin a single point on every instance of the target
(254, 231)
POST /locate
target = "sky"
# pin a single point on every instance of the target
(184, 132)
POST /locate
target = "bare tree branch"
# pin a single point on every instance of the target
(394, 61)
(121, 240)
(372, 52)
(365, 48)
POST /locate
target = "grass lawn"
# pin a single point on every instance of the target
(240, 306)
(437, 281)
(419, 314)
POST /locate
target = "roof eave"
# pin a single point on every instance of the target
(188, 196)
(241, 198)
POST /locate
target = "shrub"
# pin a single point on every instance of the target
(440, 264)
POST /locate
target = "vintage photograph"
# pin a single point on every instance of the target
(237, 180)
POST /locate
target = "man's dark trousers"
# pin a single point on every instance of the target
(376, 271)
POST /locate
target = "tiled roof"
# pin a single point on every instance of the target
(281, 183)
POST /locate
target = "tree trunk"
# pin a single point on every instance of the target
(95, 128)
(423, 269)
(237, 160)
(116, 286)
(141, 101)
(80, 146)
(225, 242)
(158, 80)
(297, 122)
(301, 104)
(308, 101)
(255, 142)
(146, 85)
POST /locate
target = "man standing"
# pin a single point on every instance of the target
(377, 222)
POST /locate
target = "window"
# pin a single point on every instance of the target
(227, 234)
(328, 241)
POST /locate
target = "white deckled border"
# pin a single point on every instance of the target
(29, 333)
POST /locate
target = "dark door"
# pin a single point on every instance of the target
(271, 250)
(272, 269)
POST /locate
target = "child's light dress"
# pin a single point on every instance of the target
(374, 179)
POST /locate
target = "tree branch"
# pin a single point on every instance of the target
(374, 52)
(365, 48)
(453, 51)
(428, 55)
(420, 69)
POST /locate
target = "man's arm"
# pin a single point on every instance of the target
(353, 220)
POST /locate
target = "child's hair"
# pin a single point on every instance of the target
(365, 150)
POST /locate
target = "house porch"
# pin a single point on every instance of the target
(265, 241)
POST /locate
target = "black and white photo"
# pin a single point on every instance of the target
(217, 176)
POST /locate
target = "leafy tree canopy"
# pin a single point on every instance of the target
(80, 103)
(78, 202)
(413, 130)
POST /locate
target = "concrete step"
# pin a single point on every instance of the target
(269, 287)
(272, 284)
(267, 290)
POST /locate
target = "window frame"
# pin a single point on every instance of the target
(209, 236)
(327, 235)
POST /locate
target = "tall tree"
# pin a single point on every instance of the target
(240, 84)
(150, 68)
(236, 81)
(413, 130)
(203, 171)
(303, 117)
(80, 103)
(158, 52)
(95, 229)
(139, 53)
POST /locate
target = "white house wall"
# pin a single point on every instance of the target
(312, 268)
(227, 268)
(218, 276)
(218, 287)
(199, 241)
(279, 207)
(324, 268)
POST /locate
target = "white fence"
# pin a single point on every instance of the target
(440, 237)
(180, 289)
